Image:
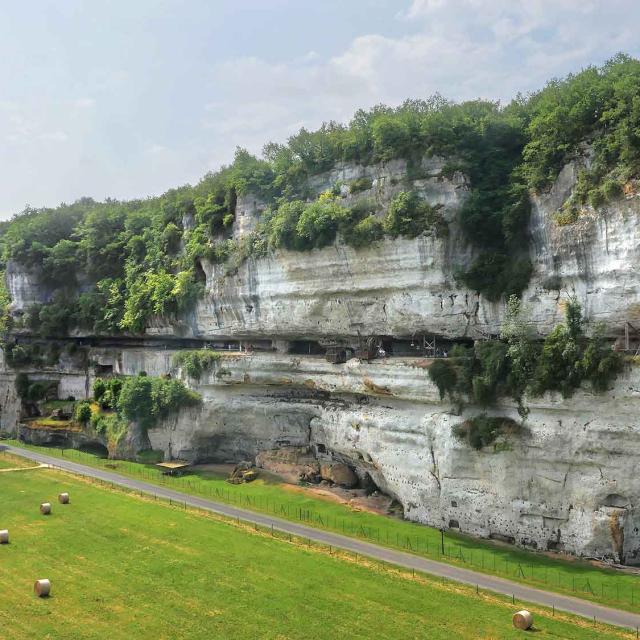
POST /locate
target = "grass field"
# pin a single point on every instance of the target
(126, 567)
(13, 462)
(551, 573)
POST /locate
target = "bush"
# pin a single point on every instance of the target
(612, 190)
(552, 283)
(496, 275)
(82, 413)
(481, 431)
(443, 374)
(600, 364)
(281, 226)
(37, 391)
(318, 223)
(99, 388)
(360, 184)
(365, 232)
(596, 198)
(492, 363)
(106, 392)
(566, 216)
(144, 399)
(111, 425)
(410, 216)
(195, 363)
(20, 355)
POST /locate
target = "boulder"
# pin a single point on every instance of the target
(339, 473)
(293, 463)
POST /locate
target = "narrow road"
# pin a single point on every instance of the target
(399, 558)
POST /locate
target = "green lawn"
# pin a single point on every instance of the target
(125, 567)
(551, 573)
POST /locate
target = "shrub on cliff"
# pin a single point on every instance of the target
(318, 224)
(106, 392)
(82, 413)
(360, 184)
(568, 358)
(22, 385)
(145, 399)
(443, 374)
(363, 233)
(516, 365)
(482, 430)
(195, 363)
(408, 215)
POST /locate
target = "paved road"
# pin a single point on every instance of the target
(409, 561)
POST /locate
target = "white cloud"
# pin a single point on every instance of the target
(84, 103)
(54, 136)
(463, 49)
(156, 149)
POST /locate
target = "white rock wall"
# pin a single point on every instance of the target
(398, 287)
(553, 486)
(557, 485)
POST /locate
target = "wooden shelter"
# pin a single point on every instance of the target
(174, 467)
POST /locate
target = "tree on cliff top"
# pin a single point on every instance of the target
(130, 250)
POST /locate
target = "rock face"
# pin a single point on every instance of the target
(294, 463)
(567, 481)
(340, 474)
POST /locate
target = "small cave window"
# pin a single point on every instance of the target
(321, 448)
(104, 369)
(616, 500)
(200, 275)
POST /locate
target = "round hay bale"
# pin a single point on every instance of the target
(522, 620)
(63, 498)
(45, 508)
(42, 588)
(4, 536)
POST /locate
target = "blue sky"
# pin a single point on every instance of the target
(129, 98)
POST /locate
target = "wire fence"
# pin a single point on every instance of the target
(615, 589)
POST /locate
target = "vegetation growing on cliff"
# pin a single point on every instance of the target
(142, 399)
(483, 430)
(197, 362)
(517, 365)
(139, 260)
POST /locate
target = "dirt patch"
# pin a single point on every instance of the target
(356, 499)
(217, 469)
(376, 388)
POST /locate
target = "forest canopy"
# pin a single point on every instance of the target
(138, 259)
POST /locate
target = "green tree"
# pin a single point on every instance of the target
(82, 413)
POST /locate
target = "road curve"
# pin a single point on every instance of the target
(399, 558)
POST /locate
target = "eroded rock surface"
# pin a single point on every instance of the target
(568, 481)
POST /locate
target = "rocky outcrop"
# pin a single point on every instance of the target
(566, 481)
(340, 474)
(292, 463)
(405, 287)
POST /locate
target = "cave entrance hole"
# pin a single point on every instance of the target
(94, 448)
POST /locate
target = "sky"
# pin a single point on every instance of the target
(128, 98)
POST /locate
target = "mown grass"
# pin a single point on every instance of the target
(569, 576)
(8, 461)
(126, 567)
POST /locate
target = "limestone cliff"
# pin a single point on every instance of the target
(553, 486)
